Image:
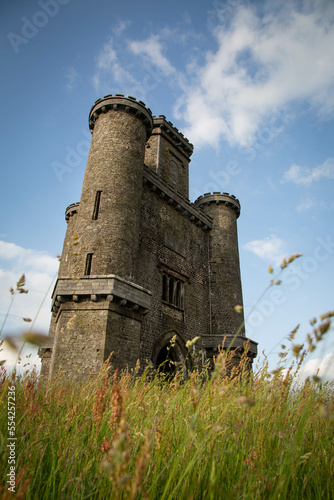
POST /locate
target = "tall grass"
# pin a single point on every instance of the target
(126, 436)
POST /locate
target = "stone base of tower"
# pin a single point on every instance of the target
(95, 318)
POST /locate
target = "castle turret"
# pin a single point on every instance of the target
(224, 273)
(141, 264)
(107, 224)
(97, 307)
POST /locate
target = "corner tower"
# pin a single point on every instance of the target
(107, 225)
(224, 276)
(97, 308)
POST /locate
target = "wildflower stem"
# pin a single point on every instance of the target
(7, 314)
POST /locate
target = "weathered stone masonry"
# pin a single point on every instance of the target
(141, 263)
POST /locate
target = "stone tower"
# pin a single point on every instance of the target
(141, 264)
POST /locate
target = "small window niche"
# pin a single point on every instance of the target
(88, 265)
(172, 291)
(96, 205)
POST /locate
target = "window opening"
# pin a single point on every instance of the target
(96, 205)
(88, 265)
(172, 291)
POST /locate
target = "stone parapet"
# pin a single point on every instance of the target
(176, 199)
(71, 210)
(219, 198)
(214, 342)
(160, 124)
(119, 102)
(109, 287)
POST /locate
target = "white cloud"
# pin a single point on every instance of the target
(23, 359)
(306, 204)
(270, 248)
(324, 368)
(305, 177)
(260, 64)
(121, 26)
(39, 269)
(109, 70)
(151, 49)
(72, 77)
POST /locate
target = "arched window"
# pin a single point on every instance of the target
(172, 291)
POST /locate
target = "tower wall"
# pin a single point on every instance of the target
(225, 280)
(224, 275)
(97, 308)
(107, 225)
(69, 257)
(168, 154)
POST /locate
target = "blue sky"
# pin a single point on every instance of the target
(251, 86)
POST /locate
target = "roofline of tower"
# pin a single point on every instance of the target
(71, 210)
(173, 133)
(120, 102)
(219, 198)
(176, 200)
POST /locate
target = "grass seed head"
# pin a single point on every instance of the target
(329, 314)
(34, 338)
(296, 348)
(245, 401)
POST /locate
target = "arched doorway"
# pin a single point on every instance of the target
(170, 355)
(167, 361)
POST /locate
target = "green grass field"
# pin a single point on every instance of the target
(130, 436)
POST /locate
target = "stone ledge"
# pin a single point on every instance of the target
(174, 135)
(106, 288)
(211, 341)
(176, 200)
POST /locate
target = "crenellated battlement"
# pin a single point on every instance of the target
(219, 198)
(71, 210)
(120, 102)
(160, 124)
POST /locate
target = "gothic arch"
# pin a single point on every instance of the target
(164, 350)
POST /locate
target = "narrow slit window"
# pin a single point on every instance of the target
(88, 265)
(96, 205)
